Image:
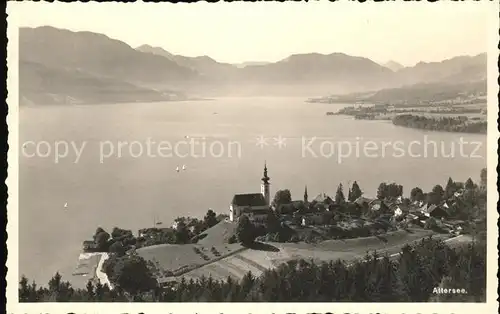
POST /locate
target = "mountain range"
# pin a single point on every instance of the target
(58, 65)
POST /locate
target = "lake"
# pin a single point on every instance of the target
(130, 189)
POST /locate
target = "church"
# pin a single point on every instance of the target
(254, 205)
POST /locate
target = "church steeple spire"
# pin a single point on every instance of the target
(264, 187)
(265, 178)
(305, 195)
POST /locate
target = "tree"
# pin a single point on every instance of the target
(210, 219)
(98, 230)
(433, 198)
(355, 192)
(55, 282)
(469, 184)
(416, 194)
(245, 231)
(272, 223)
(182, 233)
(99, 291)
(101, 239)
(438, 190)
(118, 233)
(117, 248)
(339, 196)
(450, 188)
(132, 275)
(382, 191)
(24, 290)
(282, 197)
(406, 202)
(59, 291)
(90, 290)
(394, 190)
(484, 177)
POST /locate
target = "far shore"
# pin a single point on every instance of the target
(115, 103)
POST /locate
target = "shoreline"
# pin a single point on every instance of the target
(404, 126)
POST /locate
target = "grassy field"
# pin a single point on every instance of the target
(180, 259)
(193, 261)
(220, 233)
(258, 260)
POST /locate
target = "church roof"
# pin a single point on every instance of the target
(251, 199)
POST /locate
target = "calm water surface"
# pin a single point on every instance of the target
(128, 191)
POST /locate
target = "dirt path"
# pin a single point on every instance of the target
(103, 278)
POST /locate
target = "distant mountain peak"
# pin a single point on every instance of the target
(393, 65)
(155, 50)
(205, 58)
(64, 34)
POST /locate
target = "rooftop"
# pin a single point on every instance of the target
(322, 198)
(361, 200)
(252, 199)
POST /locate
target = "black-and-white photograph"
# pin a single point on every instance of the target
(254, 152)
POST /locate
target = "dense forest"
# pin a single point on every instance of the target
(411, 277)
(449, 124)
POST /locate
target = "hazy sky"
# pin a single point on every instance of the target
(237, 32)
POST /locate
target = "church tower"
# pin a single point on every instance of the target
(305, 195)
(264, 187)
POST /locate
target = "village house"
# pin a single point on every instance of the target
(416, 218)
(455, 226)
(378, 205)
(423, 208)
(323, 198)
(436, 211)
(417, 204)
(399, 200)
(90, 246)
(334, 208)
(362, 201)
(398, 211)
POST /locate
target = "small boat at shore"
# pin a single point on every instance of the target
(183, 167)
(177, 169)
